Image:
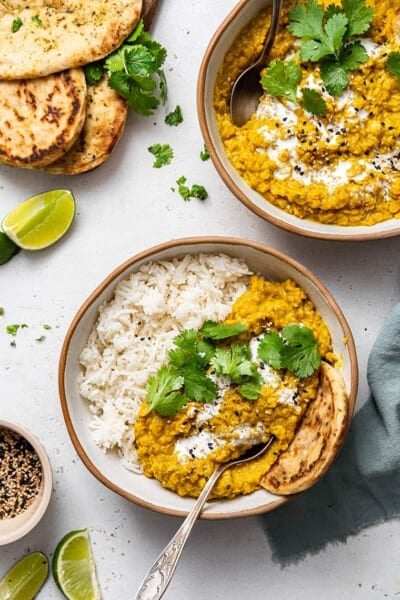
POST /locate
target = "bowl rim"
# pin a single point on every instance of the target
(45, 490)
(229, 181)
(180, 243)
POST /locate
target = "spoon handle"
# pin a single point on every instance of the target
(276, 13)
(158, 578)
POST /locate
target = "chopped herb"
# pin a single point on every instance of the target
(7, 248)
(41, 338)
(36, 19)
(190, 350)
(282, 78)
(393, 64)
(1, 311)
(135, 71)
(175, 117)
(314, 102)
(164, 391)
(16, 25)
(221, 331)
(187, 193)
(94, 72)
(251, 389)
(163, 153)
(234, 361)
(296, 350)
(205, 154)
(45, 326)
(325, 38)
(13, 329)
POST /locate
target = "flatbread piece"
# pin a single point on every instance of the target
(40, 119)
(317, 440)
(55, 35)
(105, 122)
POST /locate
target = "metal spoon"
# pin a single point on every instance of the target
(158, 578)
(247, 88)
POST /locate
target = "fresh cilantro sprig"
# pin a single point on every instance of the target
(236, 363)
(187, 193)
(175, 117)
(393, 64)
(164, 391)
(326, 38)
(221, 331)
(296, 350)
(135, 71)
(163, 154)
(204, 154)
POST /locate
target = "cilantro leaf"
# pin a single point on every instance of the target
(282, 78)
(16, 25)
(251, 389)
(198, 386)
(175, 117)
(234, 361)
(393, 64)
(138, 60)
(164, 391)
(187, 193)
(300, 351)
(204, 154)
(359, 16)
(314, 102)
(313, 50)
(191, 350)
(334, 32)
(334, 76)
(306, 20)
(94, 72)
(353, 55)
(13, 329)
(163, 154)
(270, 349)
(221, 331)
(139, 29)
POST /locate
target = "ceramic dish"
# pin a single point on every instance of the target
(108, 467)
(220, 43)
(17, 527)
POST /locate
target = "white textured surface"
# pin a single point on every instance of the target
(123, 207)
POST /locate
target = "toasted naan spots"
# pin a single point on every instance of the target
(40, 119)
(104, 125)
(61, 34)
(317, 440)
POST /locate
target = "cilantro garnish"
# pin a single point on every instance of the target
(135, 71)
(234, 361)
(282, 78)
(163, 154)
(13, 329)
(205, 153)
(187, 193)
(325, 38)
(175, 117)
(48, 327)
(16, 25)
(221, 331)
(393, 64)
(296, 350)
(1, 311)
(36, 19)
(40, 339)
(314, 102)
(164, 391)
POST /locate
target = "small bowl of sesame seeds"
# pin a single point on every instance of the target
(25, 481)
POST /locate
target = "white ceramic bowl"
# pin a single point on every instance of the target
(17, 527)
(220, 43)
(108, 468)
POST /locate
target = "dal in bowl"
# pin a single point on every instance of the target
(120, 340)
(334, 174)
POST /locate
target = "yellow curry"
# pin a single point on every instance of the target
(340, 168)
(183, 450)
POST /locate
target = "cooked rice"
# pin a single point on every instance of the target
(134, 332)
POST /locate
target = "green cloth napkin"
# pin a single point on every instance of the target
(362, 488)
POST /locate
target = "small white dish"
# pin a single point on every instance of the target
(14, 528)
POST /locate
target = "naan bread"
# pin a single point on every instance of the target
(317, 440)
(60, 34)
(40, 119)
(104, 125)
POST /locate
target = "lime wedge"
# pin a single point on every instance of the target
(73, 567)
(41, 220)
(25, 578)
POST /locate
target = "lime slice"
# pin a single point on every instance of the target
(73, 567)
(41, 220)
(25, 578)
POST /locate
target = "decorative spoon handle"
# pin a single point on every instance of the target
(158, 578)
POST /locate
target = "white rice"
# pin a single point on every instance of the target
(134, 332)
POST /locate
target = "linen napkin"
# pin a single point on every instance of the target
(362, 488)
